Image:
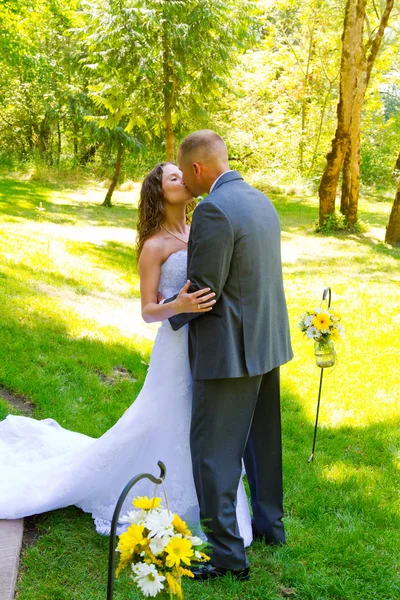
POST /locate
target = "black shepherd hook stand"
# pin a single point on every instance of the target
(327, 294)
(113, 533)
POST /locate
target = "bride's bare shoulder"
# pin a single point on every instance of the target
(154, 250)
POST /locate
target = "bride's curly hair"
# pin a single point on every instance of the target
(151, 208)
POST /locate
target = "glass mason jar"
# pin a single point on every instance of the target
(325, 354)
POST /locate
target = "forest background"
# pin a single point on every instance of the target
(107, 89)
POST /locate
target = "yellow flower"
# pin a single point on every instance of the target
(174, 585)
(179, 549)
(146, 503)
(202, 557)
(335, 334)
(130, 539)
(125, 559)
(185, 572)
(321, 321)
(181, 526)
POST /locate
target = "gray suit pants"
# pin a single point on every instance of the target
(235, 419)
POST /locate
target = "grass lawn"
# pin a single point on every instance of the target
(72, 342)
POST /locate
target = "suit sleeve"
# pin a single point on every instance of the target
(211, 248)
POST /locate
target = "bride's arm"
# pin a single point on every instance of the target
(150, 262)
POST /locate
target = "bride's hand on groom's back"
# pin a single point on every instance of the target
(200, 301)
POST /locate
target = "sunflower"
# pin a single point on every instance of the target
(179, 549)
(127, 544)
(146, 503)
(130, 539)
(181, 526)
(322, 321)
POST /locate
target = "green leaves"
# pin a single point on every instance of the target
(166, 58)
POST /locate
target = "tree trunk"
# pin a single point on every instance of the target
(76, 149)
(43, 138)
(393, 228)
(351, 186)
(352, 34)
(169, 136)
(89, 154)
(75, 129)
(58, 143)
(352, 208)
(351, 166)
(346, 183)
(114, 181)
(168, 93)
(397, 165)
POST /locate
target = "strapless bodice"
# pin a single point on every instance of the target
(173, 274)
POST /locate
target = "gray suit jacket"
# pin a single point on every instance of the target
(235, 249)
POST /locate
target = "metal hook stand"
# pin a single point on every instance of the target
(113, 533)
(327, 294)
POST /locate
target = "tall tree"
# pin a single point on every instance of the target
(355, 71)
(366, 56)
(351, 41)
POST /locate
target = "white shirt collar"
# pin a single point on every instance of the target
(213, 185)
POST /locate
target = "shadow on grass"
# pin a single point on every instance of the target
(22, 199)
(37, 276)
(109, 255)
(295, 213)
(380, 247)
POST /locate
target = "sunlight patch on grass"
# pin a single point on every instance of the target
(341, 472)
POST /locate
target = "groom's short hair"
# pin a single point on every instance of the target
(203, 145)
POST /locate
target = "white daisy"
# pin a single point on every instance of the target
(134, 516)
(160, 524)
(158, 544)
(312, 332)
(196, 541)
(148, 579)
(308, 321)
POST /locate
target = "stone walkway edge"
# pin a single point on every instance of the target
(10, 547)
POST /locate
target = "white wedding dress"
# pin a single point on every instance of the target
(44, 466)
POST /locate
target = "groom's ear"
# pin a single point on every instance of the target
(196, 169)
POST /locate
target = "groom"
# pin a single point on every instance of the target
(235, 352)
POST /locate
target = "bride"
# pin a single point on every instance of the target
(45, 467)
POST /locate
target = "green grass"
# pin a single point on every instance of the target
(67, 278)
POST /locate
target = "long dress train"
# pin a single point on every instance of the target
(44, 466)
